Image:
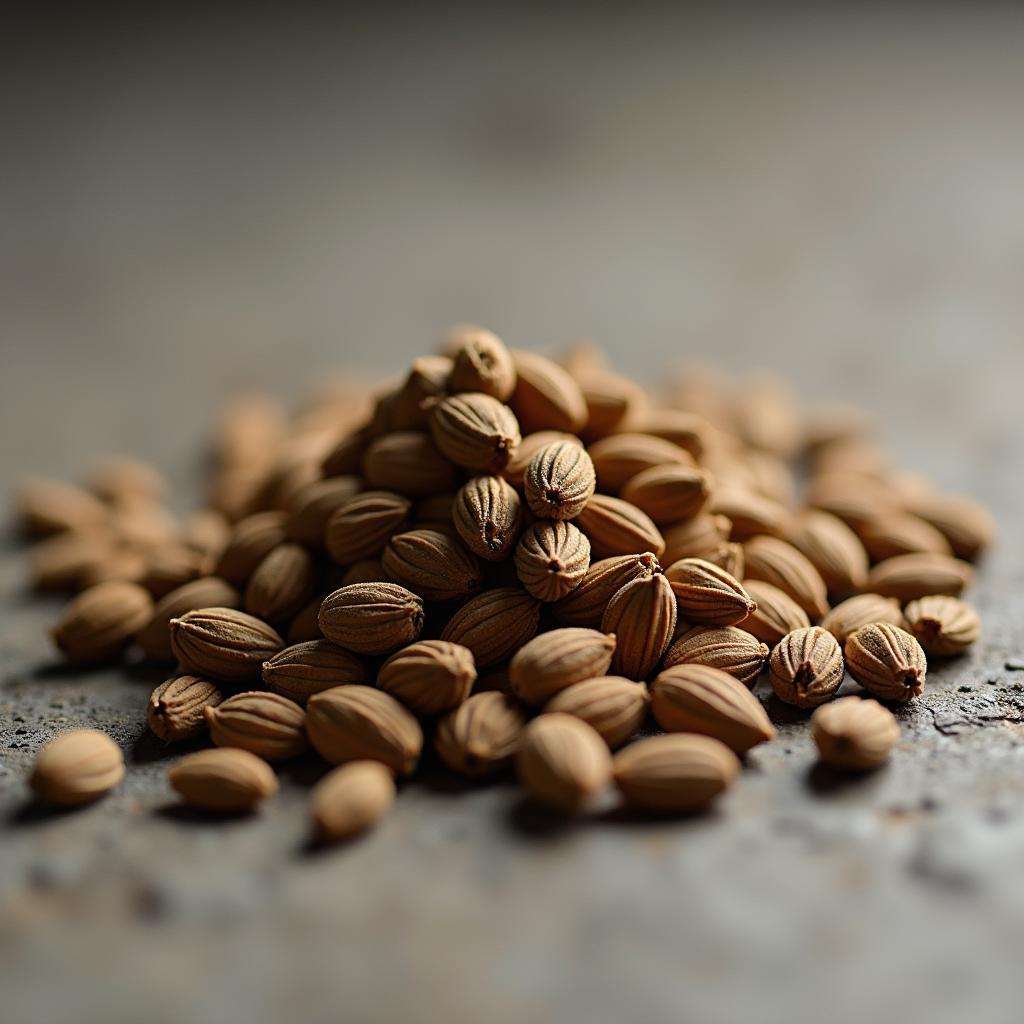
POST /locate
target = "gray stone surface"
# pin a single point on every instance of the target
(193, 210)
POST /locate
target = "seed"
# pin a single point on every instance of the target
(371, 618)
(696, 537)
(776, 613)
(729, 649)
(806, 667)
(224, 781)
(427, 380)
(669, 493)
(346, 457)
(431, 564)
(249, 428)
(435, 512)
(362, 527)
(223, 644)
(908, 577)
(559, 481)
(50, 506)
(175, 708)
(171, 566)
(407, 462)
(854, 734)
(751, 514)
(475, 431)
(480, 736)
(140, 526)
(861, 610)
(515, 470)
(901, 534)
(206, 592)
(776, 562)
(674, 773)
(120, 478)
(350, 723)
(708, 594)
(964, 522)
(887, 661)
(252, 539)
(350, 799)
(563, 761)
(553, 661)
(585, 605)
(63, 561)
(483, 363)
(551, 559)
(683, 429)
(701, 699)
(767, 418)
(266, 724)
(620, 457)
(642, 617)
(545, 396)
(615, 527)
(312, 507)
(100, 623)
(853, 498)
(488, 516)
(281, 584)
(729, 556)
(306, 668)
(611, 400)
(494, 625)
(944, 626)
(430, 676)
(77, 768)
(832, 548)
(614, 707)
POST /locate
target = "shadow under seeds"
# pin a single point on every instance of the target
(823, 780)
(32, 812)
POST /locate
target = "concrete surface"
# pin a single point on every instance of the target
(191, 209)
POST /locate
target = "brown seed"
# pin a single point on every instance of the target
(351, 798)
(480, 736)
(171, 566)
(669, 493)
(281, 584)
(696, 537)
(175, 708)
(964, 522)
(887, 661)
(431, 564)
(585, 605)
(303, 669)
(767, 418)
(350, 723)
(642, 617)
(553, 661)
(612, 400)
(908, 577)
(488, 516)
(614, 707)
(63, 561)
(729, 556)
(372, 618)
(101, 622)
(854, 734)
(546, 397)
(207, 592)
(140, 526)
(305, 625)
(494, 625)
(832, 548)
(851, 497)
(76, 768)
(615, 527)
(407, 462)
(224, 781)
(206, 532)
(806, 667)
(729, 649)
(362, 527)
(427, 380)
(776, 562)
(223, 644)
(620, 457)
(121, 478)
(430, 676)
(266, 724)
(515, 470)
(708, 594)
(751, 514)
(776, 613)
(559, 481)
(551, 559)
(704, 700)
(944, 626)
(435, 513)
(248, 429)
(475, 431)
(252, 539)
(483, 363)
(684, 429)
(674, 773)
(50, 506)
(563, 761)
(861, 610)
(313, 505)
(122, 565)
(899, 533)
(346, 457)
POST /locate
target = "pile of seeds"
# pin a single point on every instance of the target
(511, 559)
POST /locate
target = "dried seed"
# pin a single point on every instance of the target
(776, 562)
(696, 537)
(407, 462)
(50, 506)
(495, 624)
(585, 605)
(729, 649)
(545, 396)
(854, 499)
(101, 622)
(206, 532)
(964, 522)
(223, 644)
(887, 661)
(481, 735)
(351, 798)
(281, 584)
(249, 428)
(483, 363)
(702, 699)
(175, 708)
(901, 534)
(430, 676)
(750, 514)
(776, 613)
(475, 431)
(642, 617)
(431, 564)
(350, 723)
(488, 516)
(362, 527)
(312, 507)
(766, 418)
(346, 457)
(553, 661)
(908, 577)
(306, 668)
(854, 734)
(427, 380)
(612, 401)
(63, 561)
(708, 594)
(615, 527)
(620, 457)
(515, 470)
(729, 556)
(206, 592)
(832, 548)
(684, 429)
(861, 610)
(371, 618)
(614, 707)
(252, 539)
(305, 625)
(669, 493)
(674, 773)
(806, 667)
(224, 781)
(172, 566)
(944, 626)
(77, 768)
(551, 559)
(563, 761)
(266, 724)
(559, 481)
(121, 478)
(435, 513)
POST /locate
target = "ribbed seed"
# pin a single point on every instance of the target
(944, 626)
(887, 661)
(559, 481)
(861, 610)
(480, 736)
(620, 457)
(431, 564)
(223, 644)
(806, 667)
(551, 559)
(407, 462)
(586, 604)
(854, 734)
(776, 562)
(495, 624)
(563, 761)
(729, 649)
(708, 594)
(832, 548)
(371, 618)
(776, 613)
(475, 431)
(669, 493)
(553, 661)
(306, 668)
(613, 706)
(616, 527)
(266, 724)
(362, 527)
(488, 516)
(430, 676)
(175, 708)
(908, 577)
(483, 363)
(642, 617)
(545, 396)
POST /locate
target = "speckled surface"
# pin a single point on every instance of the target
(827, 199)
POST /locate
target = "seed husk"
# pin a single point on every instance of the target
(729, 649)
(559, 481)
(515, 470)
(616, 527)
(900, 533)
(350, 799)
(100, 622)
(407, 462)
(832, 548)
(51, 506)
(483, 363)
(887, 661)
(861, 610)
(63, 561)
(76, 768)
(266, 724)
(729, 556)
(175, 708)
(252, 539)
(612, 400)
(475, 431)
(223, 644)
(669, 493)
(707, 594)
(620, 457)
(206, 592)
(944, 626)
(281, 584)
(964, 522)
(563, 761)
(430, 676)
(611, 705)
(371, 618)
(362, 527)
(555, 660)
(312, 507)
(171, 566)
(495, 624)
(642, 617)
(480, 736)
(806, 667)
(853, 734)
(488, 516)
(696, 537)
(306, 668)
(908, 577)
(774, 561)
(586, 604)
(432, 564)
(750, 513)
(545, 396)
(408, 408)
(551, 559)
(684, 429)
(776, 613)
(223, 781)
